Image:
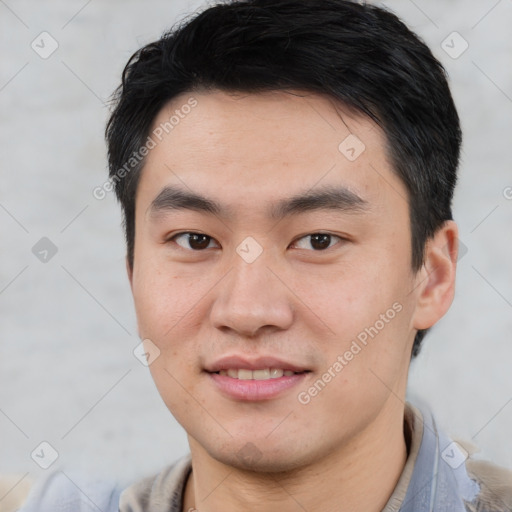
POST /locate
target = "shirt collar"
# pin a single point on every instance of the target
(434, 478)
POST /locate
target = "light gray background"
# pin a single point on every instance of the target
(67, 372)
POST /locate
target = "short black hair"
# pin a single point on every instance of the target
(358, 54)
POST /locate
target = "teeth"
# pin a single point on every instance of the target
(244, 374)
(265, 374)
(260, 374)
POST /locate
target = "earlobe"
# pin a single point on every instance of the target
(436, 279)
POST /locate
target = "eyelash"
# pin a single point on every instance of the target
(177, 235)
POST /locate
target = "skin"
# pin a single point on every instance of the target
(296, 302)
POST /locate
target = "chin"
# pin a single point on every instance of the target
(270, 460)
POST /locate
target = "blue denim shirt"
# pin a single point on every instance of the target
(434, 479)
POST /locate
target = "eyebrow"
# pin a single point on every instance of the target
(327, 198)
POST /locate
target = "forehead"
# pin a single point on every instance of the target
(238, 144)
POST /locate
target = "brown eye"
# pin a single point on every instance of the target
(320, 241)
(317, 241)
(194, 241)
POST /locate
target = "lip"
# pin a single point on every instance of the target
(255, 390)
(258, 363)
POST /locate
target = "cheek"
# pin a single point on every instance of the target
(164, 301)
(167, 308)
(348, 298)
(367, 308)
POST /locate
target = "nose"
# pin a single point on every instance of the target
(252, 298)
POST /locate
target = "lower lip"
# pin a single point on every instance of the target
(254, 390)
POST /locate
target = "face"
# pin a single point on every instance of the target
(272, 235)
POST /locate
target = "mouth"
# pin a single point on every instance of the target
(242, 378)
(245, 385)
(261, 374)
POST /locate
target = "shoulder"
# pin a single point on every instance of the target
(14, 490)
(75, 493)
(495, 487)
(162, 492)
(460, 481)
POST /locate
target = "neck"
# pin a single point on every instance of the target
(358, 477)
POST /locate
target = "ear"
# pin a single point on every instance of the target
(435, 282)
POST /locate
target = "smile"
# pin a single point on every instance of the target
(255, 385)
(263, 374)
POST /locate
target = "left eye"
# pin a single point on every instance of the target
(317, 241)
(194, 241)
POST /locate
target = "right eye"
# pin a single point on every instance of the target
(193, 241)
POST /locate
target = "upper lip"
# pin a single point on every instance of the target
(257, 363)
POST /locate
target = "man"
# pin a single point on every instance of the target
(286, 170)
